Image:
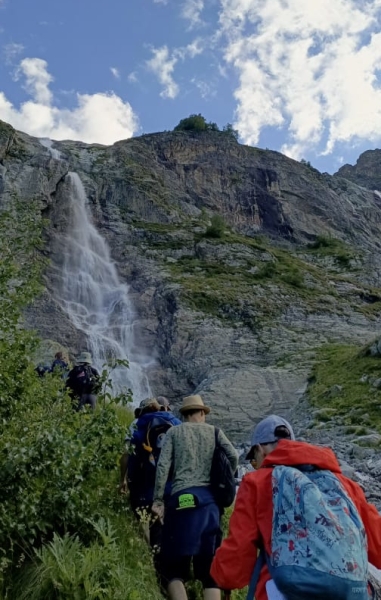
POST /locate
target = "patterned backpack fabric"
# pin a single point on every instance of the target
(319, 547)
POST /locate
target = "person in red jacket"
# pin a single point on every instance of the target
(250, 527)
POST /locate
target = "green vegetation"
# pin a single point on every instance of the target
(330, 246)
(115, 565)
(65, 532)
(308, 164)
(199, 123)
(359, 401)
(217, 227)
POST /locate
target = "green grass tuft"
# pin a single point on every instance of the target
(359, 402)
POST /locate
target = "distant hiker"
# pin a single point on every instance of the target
(83, 382)
(164, 404)
(60, 364)
(147, 439)
(191, 516)
(164, 407)
(123, 462)
(304, 518)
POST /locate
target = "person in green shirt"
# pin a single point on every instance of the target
(191, 516)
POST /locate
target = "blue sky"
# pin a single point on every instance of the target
(299, 77)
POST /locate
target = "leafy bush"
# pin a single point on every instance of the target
(324, 241)
(199, 123)
(116, 565)
(192, 123)
(217, 227)
(58, 467)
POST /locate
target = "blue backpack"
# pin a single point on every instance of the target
(318, 542)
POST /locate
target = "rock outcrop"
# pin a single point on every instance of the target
(237, 317)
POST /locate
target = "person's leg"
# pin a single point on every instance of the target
(212, 594)
(92, 400)
(155, 532)
(174, 571)
(176, 590)
(201, 569)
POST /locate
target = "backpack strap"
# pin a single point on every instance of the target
(261, 559)
(216, 432)
(147, 446)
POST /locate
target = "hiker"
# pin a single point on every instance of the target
(83, 382)
(146, 442)
(123, 462)
(191, 516)
(294, 516)
(60, 364)
(165, 407)
(164, 404)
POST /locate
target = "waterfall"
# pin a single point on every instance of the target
(95, 299)
(47, 143)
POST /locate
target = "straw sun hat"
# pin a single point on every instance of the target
(193, 403)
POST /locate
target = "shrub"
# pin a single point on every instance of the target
(192, 123)
(114, 565)
(57, 466)
(217, 227)
(324, 241)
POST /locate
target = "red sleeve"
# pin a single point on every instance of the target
(371, 519)
(234, 562)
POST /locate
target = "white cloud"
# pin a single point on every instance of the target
(115, 72)
(160, 1)
(102, 117)
(37, 79)
(308, 68)
(12, 51)
(192, 10)
(206, 89)
(163, 65)
(132, 78)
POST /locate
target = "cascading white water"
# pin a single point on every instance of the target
(47, 143)
(93, 296)
(95, 299)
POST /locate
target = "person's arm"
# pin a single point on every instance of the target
(230, 451)
(234, 561)
(163, 467)
(371, 519)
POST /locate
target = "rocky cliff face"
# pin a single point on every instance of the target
(366, 172)
(237, 317)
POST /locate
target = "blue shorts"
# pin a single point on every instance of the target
(191, 524)
(191, 531)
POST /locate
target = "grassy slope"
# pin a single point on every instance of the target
(246, 280)
(358, 403)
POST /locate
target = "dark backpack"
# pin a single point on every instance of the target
(141, 470)
(82, 380)
(222, 478)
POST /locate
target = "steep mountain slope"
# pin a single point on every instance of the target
(236, 314)
(366, 172)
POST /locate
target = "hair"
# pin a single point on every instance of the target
(152, 407)
(58, 355)
(282, 433)
(193, 411)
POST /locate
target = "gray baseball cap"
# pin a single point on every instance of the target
(164, 402)
(265, 432)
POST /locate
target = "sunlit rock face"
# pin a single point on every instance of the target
(237, 314)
